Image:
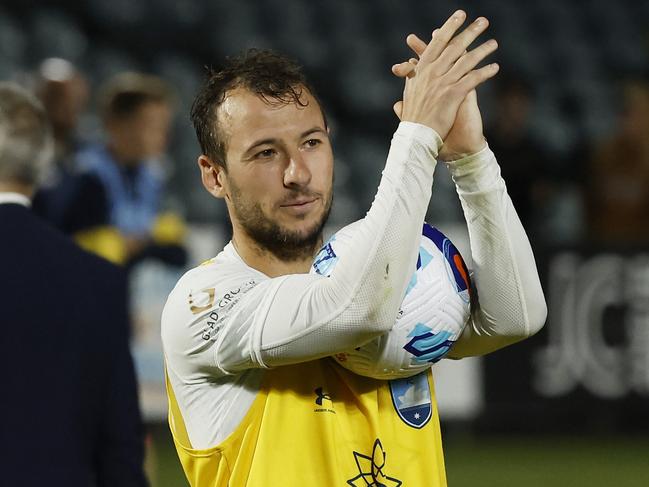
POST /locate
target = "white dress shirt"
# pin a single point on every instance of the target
(17, 198)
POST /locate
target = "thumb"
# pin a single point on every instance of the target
(398, 108)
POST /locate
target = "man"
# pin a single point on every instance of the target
(69, 403)
(120, 186)
(254, 397)
(64, 92)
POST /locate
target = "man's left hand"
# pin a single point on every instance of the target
(466, 135)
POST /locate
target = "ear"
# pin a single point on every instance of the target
(213, 176)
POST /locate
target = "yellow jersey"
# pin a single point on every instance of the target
(316, 423)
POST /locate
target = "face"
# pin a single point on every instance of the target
(144, 134)
(64, 102)
(278, 176)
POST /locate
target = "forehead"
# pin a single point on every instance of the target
(153, 107)
(244, 117)
(151, 111)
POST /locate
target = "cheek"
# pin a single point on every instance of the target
(322, 171)
(258, 186)
(153, 135)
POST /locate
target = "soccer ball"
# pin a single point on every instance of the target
(432, 315)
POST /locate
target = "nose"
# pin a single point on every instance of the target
(297, 173)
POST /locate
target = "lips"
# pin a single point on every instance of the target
(298, 203)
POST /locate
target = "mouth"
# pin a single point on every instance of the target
(300, 207)
(299, 203)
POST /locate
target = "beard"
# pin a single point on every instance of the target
(285, 244)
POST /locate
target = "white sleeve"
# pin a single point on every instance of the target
(510, 305)
(302, 317)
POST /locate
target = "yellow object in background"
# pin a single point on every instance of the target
(168, 229)
(105, 241)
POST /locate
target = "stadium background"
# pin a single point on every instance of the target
(568, 407)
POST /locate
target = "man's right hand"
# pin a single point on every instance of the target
(446, 74)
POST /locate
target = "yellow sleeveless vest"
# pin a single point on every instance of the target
(316, 423)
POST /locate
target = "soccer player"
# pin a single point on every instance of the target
(254, 397)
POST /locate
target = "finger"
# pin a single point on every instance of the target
(398, 108)
(471, 59)
(476, 77)
(445, 33)
(404, 69)
(416, 44)
(459, 44)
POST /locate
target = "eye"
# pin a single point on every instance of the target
(312, 143)
(265, 154)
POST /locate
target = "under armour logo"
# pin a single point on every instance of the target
(321, 396)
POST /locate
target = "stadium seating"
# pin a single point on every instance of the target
(569, 50)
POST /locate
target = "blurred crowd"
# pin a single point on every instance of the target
(596, 193)
(108, 194)
(567, 117)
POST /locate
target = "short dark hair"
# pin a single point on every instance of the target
(274, 77)
(125, 93)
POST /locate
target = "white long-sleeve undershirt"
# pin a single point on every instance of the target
(510, 304)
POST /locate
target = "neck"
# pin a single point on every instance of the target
(20, 188)
(268, 263)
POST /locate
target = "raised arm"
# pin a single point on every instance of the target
(509, 304)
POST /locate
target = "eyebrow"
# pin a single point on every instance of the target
(270, 141)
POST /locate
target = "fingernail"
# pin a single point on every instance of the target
(458, 14)
(481, 21)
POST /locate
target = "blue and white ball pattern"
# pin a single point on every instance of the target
(432, 316)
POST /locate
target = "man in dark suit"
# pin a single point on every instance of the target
(68, 409)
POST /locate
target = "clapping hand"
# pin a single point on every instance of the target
(447, 57)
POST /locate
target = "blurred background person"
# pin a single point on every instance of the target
(618, 184)
(123, 178)
(69, 407)
(64, 92)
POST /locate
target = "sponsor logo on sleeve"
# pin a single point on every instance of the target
(201, 301)
(207, 300)
(326, 259)
(212, 326)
